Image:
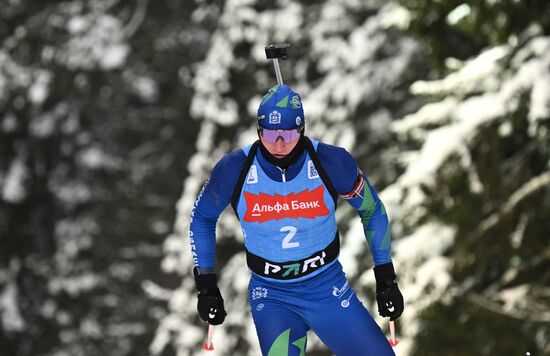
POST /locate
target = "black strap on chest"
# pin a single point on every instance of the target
(250, 158)
(322, 173)
(242, 176)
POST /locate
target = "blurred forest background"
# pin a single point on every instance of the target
(112, 114)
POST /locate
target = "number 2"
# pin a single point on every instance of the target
(291, 232)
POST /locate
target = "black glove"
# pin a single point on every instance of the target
(388, 296)
(210, 301)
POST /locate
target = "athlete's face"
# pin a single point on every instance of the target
(279, 148)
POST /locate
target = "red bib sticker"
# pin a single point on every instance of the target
(306, 204)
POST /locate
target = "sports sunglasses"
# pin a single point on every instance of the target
(286, 135)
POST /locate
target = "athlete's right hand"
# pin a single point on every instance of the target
(210, 302)
(388, 296)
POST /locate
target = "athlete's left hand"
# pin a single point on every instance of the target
(210, 301)
(388, 295)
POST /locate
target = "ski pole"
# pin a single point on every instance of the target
(276, 51)
(393, 341)
(208, 345)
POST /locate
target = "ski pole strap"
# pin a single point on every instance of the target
(294, 269)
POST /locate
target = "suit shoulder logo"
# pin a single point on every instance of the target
(252, 175)
(311, 171)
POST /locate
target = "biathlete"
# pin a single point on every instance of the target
(284, 189)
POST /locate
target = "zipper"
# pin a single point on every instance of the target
(283, 173)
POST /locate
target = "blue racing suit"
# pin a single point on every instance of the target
(292, 244)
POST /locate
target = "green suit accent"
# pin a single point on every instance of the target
(368, 207)
(280, 345)
(301, 344)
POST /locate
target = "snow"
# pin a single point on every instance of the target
(505, 129)
(396, 16)
(540, 99)
(481, 91)
(458, 13)
(154, 291)
(38, 92)
(122, 271)
(516, 239)
(438, 113)
(176, 259)
(74, 285)
(11, 318)
(477, 75)
(12, 76)
(353, 243)
(213, 73)
(71, 193)
(91, 328)
(9, 121)
(94, 157)
(13, 184)
(97, 41)
(428, 240)
(43, 125)
(464, 117)
(123, 329)
(514, 296)
(530, 187)
(144, 86)
(185, 336)
(78, 24)
(73, 236)
(114, 56)
(445, 141)
(291, 15)
(48, 309)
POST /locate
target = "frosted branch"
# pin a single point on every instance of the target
(493, 306)
(539, 182)
(137, 18)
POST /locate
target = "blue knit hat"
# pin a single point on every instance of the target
(281, 109)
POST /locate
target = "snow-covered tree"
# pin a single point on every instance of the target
(113, 113)
(92, 145)
(473, 203)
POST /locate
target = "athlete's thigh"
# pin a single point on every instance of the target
(280, 330)
(347, 328)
